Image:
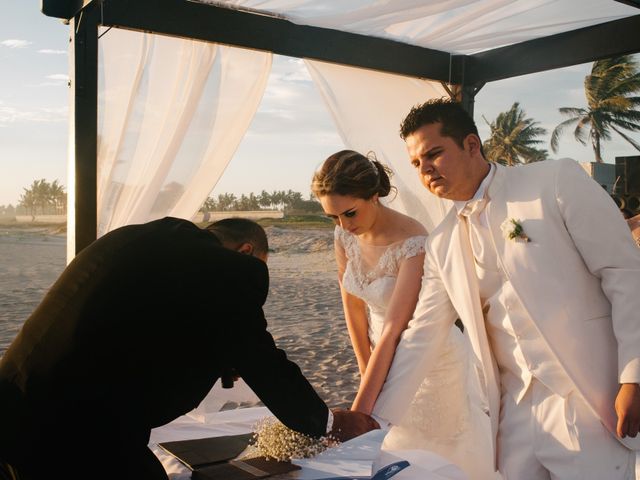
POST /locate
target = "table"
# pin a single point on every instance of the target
(358, 457)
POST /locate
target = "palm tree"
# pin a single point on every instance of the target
(58, 197)
(28, 201)
(209, 205)
(264, 199)
(226, 201)
(275, 199)
(514, 138)
(40, 194)
(611, 105)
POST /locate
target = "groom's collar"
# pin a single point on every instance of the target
(480, 193)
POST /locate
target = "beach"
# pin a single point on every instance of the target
(303, 309)
(31, 258)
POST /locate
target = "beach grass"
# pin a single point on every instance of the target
(298, 222)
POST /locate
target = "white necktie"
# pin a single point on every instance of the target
(471, 212)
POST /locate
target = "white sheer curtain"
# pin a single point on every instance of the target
(367, 108)
(460, 26)
(171, 114)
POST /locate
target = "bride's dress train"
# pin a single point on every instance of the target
(446, 414)
(446, 417)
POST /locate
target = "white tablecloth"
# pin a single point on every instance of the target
(361, 456)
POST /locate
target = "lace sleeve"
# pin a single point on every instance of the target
(413, 246)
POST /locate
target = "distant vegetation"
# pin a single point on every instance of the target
(298, 221)
(40, 198)
(44, 198)
(288, 201)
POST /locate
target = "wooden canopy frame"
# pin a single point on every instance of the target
(188, 19)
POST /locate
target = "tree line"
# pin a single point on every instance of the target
(276, 200)
(42, 197)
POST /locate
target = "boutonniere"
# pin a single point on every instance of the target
(512, 230)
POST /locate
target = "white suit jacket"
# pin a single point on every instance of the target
(578, 279)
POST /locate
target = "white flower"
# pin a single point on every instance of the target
(271, 439)
(512, 230)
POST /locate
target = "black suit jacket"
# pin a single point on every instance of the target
(134, 333)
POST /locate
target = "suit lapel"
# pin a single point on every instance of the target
(463, 288)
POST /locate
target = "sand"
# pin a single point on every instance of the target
(303, 308)
(30, 261)
(305, 314)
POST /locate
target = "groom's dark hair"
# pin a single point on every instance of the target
(455, 122)
(241, 230)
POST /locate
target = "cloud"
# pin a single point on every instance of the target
(13, 115)
(53, 80)
(281, 93)
(48, 84)
(289, 81)
(49, 51)
(15, 43)
(58, 76)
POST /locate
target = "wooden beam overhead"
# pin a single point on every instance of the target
(183, 18)
(632, 3)
(588, 44)
(66, 9)
(189, 19)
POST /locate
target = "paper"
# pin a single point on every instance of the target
(350, 459)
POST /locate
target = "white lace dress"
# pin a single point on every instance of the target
(442, 418)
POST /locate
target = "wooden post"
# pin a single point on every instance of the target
(83, 130)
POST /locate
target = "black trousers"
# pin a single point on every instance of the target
(97, 464)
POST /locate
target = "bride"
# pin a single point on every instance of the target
(380, 254)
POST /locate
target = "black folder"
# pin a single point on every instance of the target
(207, 451)
(213, 459)
(248, 469)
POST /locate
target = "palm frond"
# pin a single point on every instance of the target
(578, 112)
(620, 123)
(635, 144)
(557, 132)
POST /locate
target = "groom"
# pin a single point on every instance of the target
(539, 264)
(134, 333)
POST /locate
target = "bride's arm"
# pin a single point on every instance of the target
(355, 314)
(400, 310)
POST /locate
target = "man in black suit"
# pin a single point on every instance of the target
(134, 333)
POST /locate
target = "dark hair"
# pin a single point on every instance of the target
(455, 122)
(350, 173)
(241, 230)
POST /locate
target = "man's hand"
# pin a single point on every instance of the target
(628, 410)
(348, 424)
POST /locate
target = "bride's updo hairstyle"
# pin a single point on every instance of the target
(352, 174)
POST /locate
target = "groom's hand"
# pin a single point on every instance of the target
(348, 424)
(628, 410)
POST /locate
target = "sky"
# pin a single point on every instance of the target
(292, 123)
